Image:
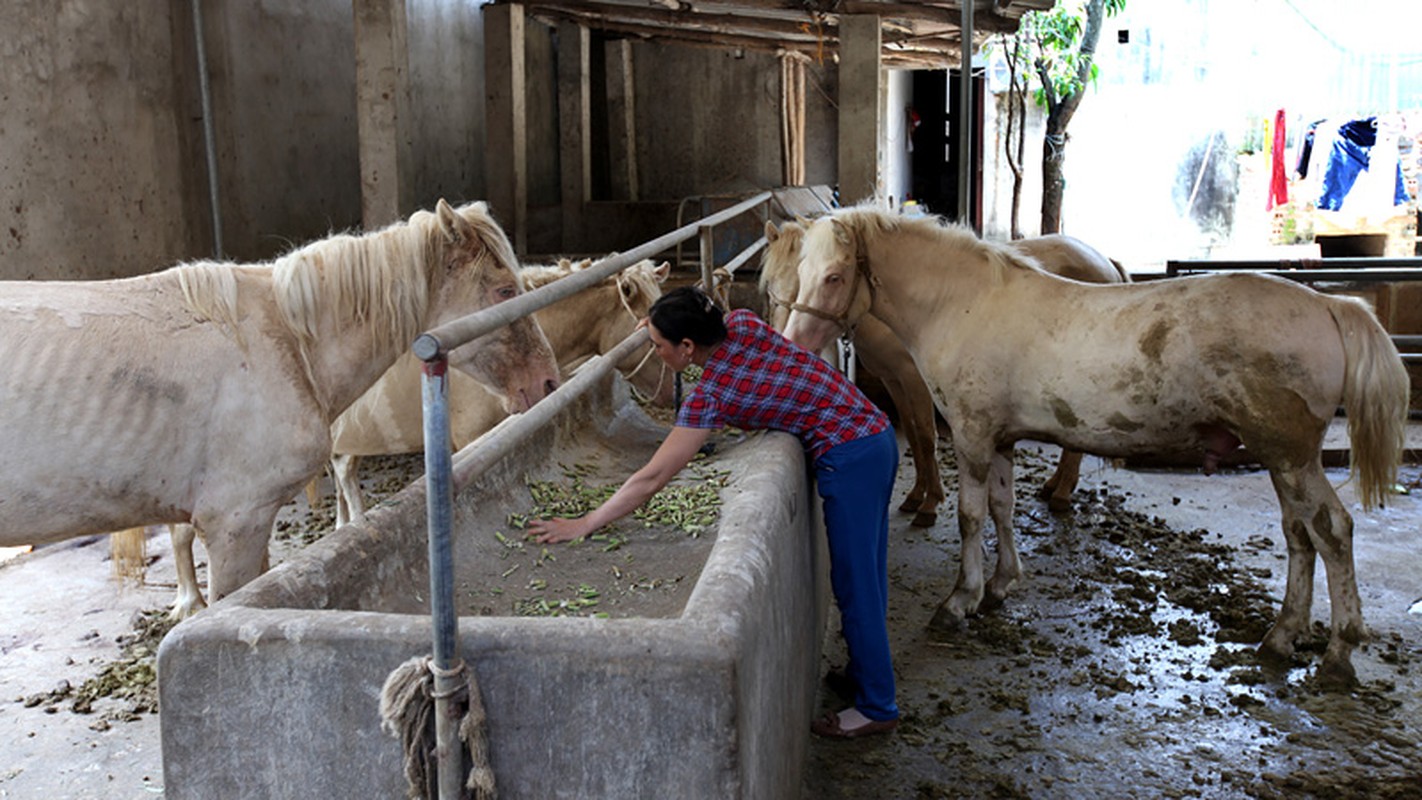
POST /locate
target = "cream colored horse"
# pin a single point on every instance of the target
(388, 418)
(1191, 366)
(205, 393)
(885, 356)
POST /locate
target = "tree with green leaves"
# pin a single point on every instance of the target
(1060, 48)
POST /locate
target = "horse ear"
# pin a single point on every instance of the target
(842, 233)
(771, 232)
(662, 271)
(455, 227)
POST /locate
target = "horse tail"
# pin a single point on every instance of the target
(1375, 398)
(126, 551)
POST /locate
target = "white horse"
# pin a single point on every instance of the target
(885, 356)
(1194, 366)
(389, 417)
(205, 393)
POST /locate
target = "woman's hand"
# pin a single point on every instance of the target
(552, 531)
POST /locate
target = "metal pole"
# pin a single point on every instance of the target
(964, 119)
(447, 667)
(207, 131)
(454, 333)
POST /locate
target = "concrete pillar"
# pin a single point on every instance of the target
(506, 119)
(574, 128)
(622, 120)
(383, 111)
(861, 96)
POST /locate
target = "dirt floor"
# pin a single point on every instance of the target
(1122, 666)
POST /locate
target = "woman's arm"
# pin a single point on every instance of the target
(680, 446)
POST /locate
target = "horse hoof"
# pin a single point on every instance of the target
(946, 622)
(1337, 677)
(908, 506)
(991, 602)
(924, 519)
(1059, 505)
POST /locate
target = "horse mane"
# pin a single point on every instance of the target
(383, 279)
(869, 222)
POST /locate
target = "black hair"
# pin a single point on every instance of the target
(688, 313)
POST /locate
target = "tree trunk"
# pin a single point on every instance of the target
(1059, 114)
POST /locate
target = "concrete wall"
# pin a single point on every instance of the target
(96, 141)
(103, 169)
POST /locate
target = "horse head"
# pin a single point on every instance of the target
(638, 287)
(835, 289)
(477, 269)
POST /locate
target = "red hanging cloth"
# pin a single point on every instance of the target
(1279, 181)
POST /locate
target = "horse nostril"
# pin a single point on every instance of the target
(549, 386)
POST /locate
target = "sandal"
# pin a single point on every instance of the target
(828, 726)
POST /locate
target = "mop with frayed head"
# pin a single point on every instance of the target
(407, 711)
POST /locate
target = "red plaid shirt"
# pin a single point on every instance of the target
(758, 379)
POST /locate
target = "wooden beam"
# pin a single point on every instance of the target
(860, 100)
(575, 129)
(622, 120)
(506, 112)
(383, 111)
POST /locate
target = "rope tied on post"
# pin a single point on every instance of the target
(407, 710)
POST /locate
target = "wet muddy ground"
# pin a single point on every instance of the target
(1122, 665)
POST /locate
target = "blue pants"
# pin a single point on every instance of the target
(856, 481)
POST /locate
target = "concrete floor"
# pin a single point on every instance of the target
(63, 612)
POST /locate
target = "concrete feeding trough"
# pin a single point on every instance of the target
(699, 681)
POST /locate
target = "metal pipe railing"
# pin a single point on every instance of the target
(465, 329)
(1410, 268)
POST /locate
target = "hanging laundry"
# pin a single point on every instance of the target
(1351, 153)
(1306, 150)
(1279, 181)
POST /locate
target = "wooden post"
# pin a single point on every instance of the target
(383, 111)
(622, 119)
(506, 119)
(575, 134)
(860, 97)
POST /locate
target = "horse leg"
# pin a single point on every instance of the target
(1000, 504)
(189, 600)
(916, 414)
(967, 593)
(237, 547)
(1058, 488)
(1315, 522)
(350, 505)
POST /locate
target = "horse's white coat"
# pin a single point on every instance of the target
(205, 393)
(887, 358)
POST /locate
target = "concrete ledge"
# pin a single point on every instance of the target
(274, 691)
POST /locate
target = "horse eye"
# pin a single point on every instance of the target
(507, 292)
